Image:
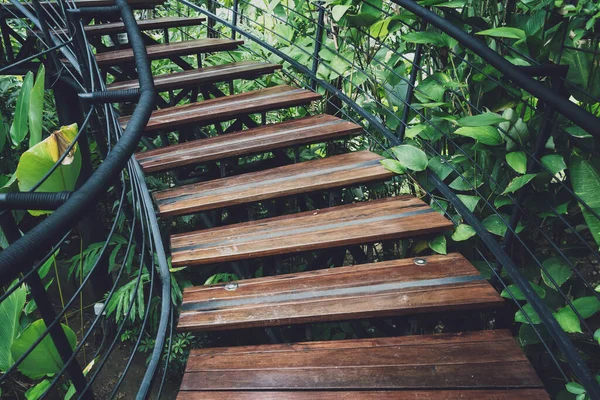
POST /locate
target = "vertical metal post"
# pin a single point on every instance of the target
(409, 92)
(38, 291)
(318, 42)
(210, 24)
(234, 18)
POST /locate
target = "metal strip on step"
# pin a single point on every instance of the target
(214, 305)
(299, 231)
(266, 182)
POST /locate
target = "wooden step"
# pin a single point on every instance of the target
(314, 129)
(486, 365)
(498, 394)
(228, 107)
(305, 177)
(391, 218)
(110, 28)
(203, 76)
(166, 50)
(401, 287)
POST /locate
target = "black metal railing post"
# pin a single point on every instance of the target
(44, 305)
(318, 42)
(234, 17)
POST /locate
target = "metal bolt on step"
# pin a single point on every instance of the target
(420, 261)
(231, 286)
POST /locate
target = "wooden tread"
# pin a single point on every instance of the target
(203, 76)
(390, 218)
(313, 129)
(400, 287)
(110, 28)
(175, 49)
(472, 365)
(305, 177)
(228, 107)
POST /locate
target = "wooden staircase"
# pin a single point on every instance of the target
(485, 364)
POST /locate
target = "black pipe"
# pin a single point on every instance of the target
(33, 200)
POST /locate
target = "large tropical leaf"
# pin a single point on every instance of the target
(39, 159)
(18, 129)
(44, 359)
(586, 184)
(36, 108)
(10, 312)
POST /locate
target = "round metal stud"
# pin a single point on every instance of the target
(420, 261)
(231, 286)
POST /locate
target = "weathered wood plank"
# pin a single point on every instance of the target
(229, 107)
(158, 51)
(397, 217)
(203, 76)
(515, 394)
(270, 137)
(461, 362)
(397, 287)
(337, 171)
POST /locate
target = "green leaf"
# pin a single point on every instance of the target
(394, 166)
(504, 32)
(494, 224)
(558, 270)
(440, 167)
(44, 359)
(568, 320)
(502, 201)
(36, 392)
(438, 244)
(577, 132)
(467, 181)
(530, 312)
(39, 159)
(337, 12)
(575, 388)
(517, 293)
(587, 306)
(18, 129)
(424, 38)
(411, 157)
(36, 108)
(469, 201)
(463, 232)
(484, 134)
(518, 182)
(586, 185)
(597, 335)
(514, 130)
(554, 162)
(517, 161)
(10, 313)
(485, 119)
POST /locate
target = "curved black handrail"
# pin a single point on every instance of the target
(39, 239)
(568, 109)
(26, 249)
